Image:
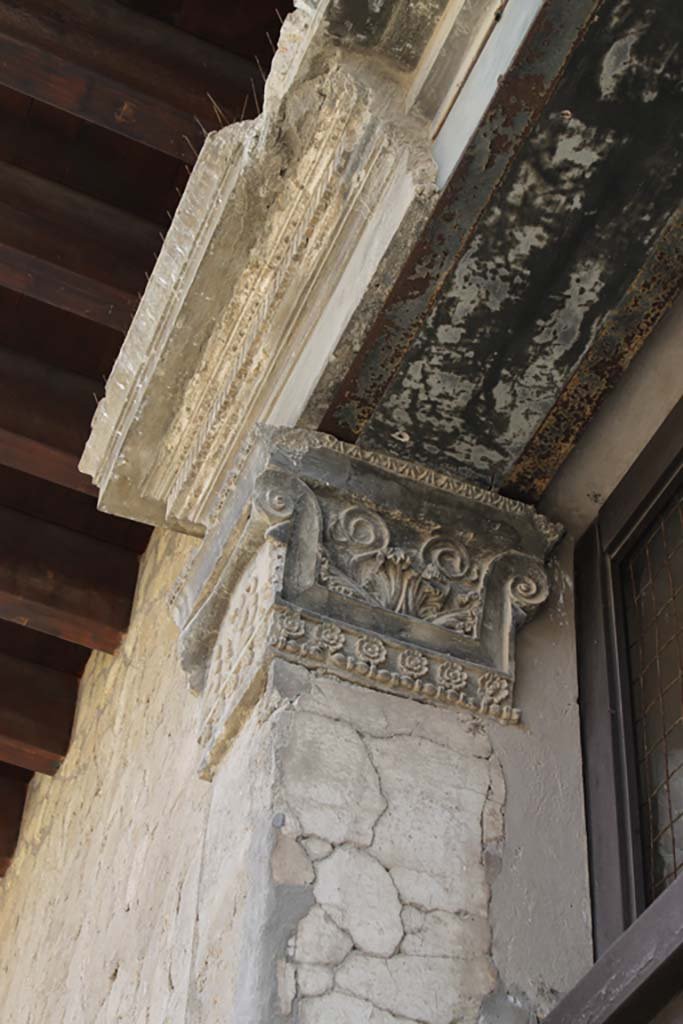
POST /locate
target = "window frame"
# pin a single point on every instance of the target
(610, 782)
(638, 950)
(638, 975)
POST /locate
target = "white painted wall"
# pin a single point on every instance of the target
(541, 896)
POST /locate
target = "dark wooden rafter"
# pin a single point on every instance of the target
(68, 228)
(75, 293)
(44, 419)
(51, 249)
(124, 71)
(67, 86)
(36, 711)
(48, 462)
(64, 583)
(158, 58)
(38, 690)
(61, 148)
(57, 338)
(66, 507)
(13, 783)
(42, 649)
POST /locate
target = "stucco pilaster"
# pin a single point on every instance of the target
(348, 620)
(348, 624)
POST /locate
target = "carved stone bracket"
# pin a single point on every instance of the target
(389, 574)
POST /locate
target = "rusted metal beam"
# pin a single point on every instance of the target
(519, 102)
(533, 260)
(621, 337)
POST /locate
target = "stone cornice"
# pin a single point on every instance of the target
(290, 233)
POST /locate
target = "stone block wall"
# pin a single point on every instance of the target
(98, 909)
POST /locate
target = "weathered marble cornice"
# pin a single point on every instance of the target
(380, 571)
(275, 223)
(289, 235)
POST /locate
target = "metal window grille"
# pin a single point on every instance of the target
(652, 580)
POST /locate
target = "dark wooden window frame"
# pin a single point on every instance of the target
(638, 975)
(617, 889)
(639, 950)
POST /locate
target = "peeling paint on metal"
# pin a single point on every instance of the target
(619, 341)
(489, 325)
(512, 114)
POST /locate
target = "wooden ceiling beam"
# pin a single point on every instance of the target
(13, 783)
(44, 461)
(36, 713)
(94, 97)
(45, 403)
(122, 44)
(75, 231)
(90, 161)
(41, 649)
(43, 499)
(45, 416)
(57, 338)
(98, 99)
(63, 583)
(65, 289)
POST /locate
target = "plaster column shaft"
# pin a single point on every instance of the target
(345, 872)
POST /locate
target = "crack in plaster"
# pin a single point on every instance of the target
(298, 704)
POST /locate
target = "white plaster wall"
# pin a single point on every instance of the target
(541, 906)
(541, 895)
(97, 909)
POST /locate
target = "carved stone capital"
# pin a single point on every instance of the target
(386, 573)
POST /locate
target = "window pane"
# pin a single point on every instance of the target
(652, 578)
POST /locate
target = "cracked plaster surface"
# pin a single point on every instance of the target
(399, 929)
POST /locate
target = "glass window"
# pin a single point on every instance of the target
(652, 581)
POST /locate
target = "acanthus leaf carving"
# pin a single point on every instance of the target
(436, 581)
